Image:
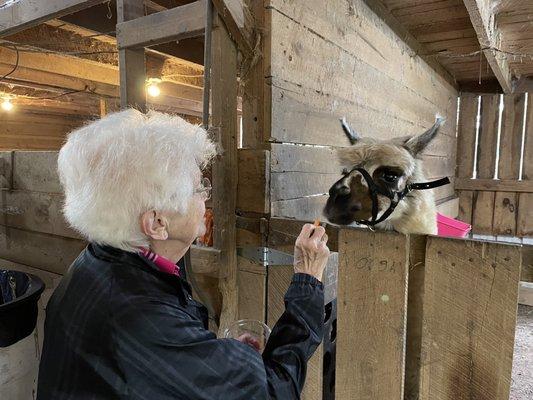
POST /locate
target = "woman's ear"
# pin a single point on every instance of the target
(154, 225)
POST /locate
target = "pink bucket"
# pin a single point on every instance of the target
(452, 227)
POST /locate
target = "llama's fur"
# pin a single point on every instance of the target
(416, 213)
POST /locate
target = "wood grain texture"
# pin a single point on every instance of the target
(24, 14)
(253, 192)
(177, 23)
(36, 171)
(342, 78)
(47, 252)
(466, 138)
(372, 308)
(524, 226)
(506, 203)
(132, 68)
(225, 167)
(470, 294)
(415, 316)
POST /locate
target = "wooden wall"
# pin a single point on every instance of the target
(24, 129)
(502, 206)
(326, 60)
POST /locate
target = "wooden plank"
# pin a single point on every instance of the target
(506, 203)
(362, 35)
(303, 115)
(205, 260)
(415, 316)
(526, 274)
(177, 23)
(525, 200)
(303, 208)
(466, 138)
(229, 17)
(480, 12)
(254, 177)
(483, 203)
(525, 294)
(39, 250)
(36, 171)
(225, 174)
(483, 209)
(6, 169)
(470, 294)
(417, 47)
(19, 15)
(491, 185)
(132, 68)
(293, 185)
(505, 213)
(488, 136)
(34, 211)
(252, 290)
(466, 199)
(372, 308)
(256, 107)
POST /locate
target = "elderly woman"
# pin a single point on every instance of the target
(122, 323)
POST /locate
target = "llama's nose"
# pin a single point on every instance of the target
(339, 190)
(357, 206)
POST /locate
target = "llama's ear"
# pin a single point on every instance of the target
(353, 137)
(417, 144)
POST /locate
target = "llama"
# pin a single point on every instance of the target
(382, 184)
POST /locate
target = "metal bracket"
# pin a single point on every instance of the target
(265, 256)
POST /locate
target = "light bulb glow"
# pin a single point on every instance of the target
(153, 90)
(7, 105)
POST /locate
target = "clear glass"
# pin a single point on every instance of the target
(249, 331)
(205, 188)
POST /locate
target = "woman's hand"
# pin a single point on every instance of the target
(310, 251)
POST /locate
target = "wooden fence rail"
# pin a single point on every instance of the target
(418, 317)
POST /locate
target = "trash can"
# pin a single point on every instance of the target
(19, 294)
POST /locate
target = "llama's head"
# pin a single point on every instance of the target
(391, 165)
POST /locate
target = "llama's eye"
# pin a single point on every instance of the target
(390, 177)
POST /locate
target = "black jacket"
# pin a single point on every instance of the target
(117, 328)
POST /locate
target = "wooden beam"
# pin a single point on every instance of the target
(56, 71)
(483, 22)
(174, 24)
(205, 260)
(132, 63)
(492, 185)
(225, 174)
(230, 20)
(17, 16)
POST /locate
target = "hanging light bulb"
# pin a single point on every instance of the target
(152, 87)
(7, 105)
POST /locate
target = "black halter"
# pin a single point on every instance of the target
(394, 196)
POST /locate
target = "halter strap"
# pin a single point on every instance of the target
(395, 197)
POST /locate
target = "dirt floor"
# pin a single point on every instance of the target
(522, 382)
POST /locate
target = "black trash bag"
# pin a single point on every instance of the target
(19, 294)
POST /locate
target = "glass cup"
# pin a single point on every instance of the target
(249, 331)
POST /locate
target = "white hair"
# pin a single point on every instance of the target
(114, 169)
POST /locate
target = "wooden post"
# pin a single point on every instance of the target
(466, 142)
(371, 315)
(470, 300)
(131, 61)
(525, 200)
(224, 120)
